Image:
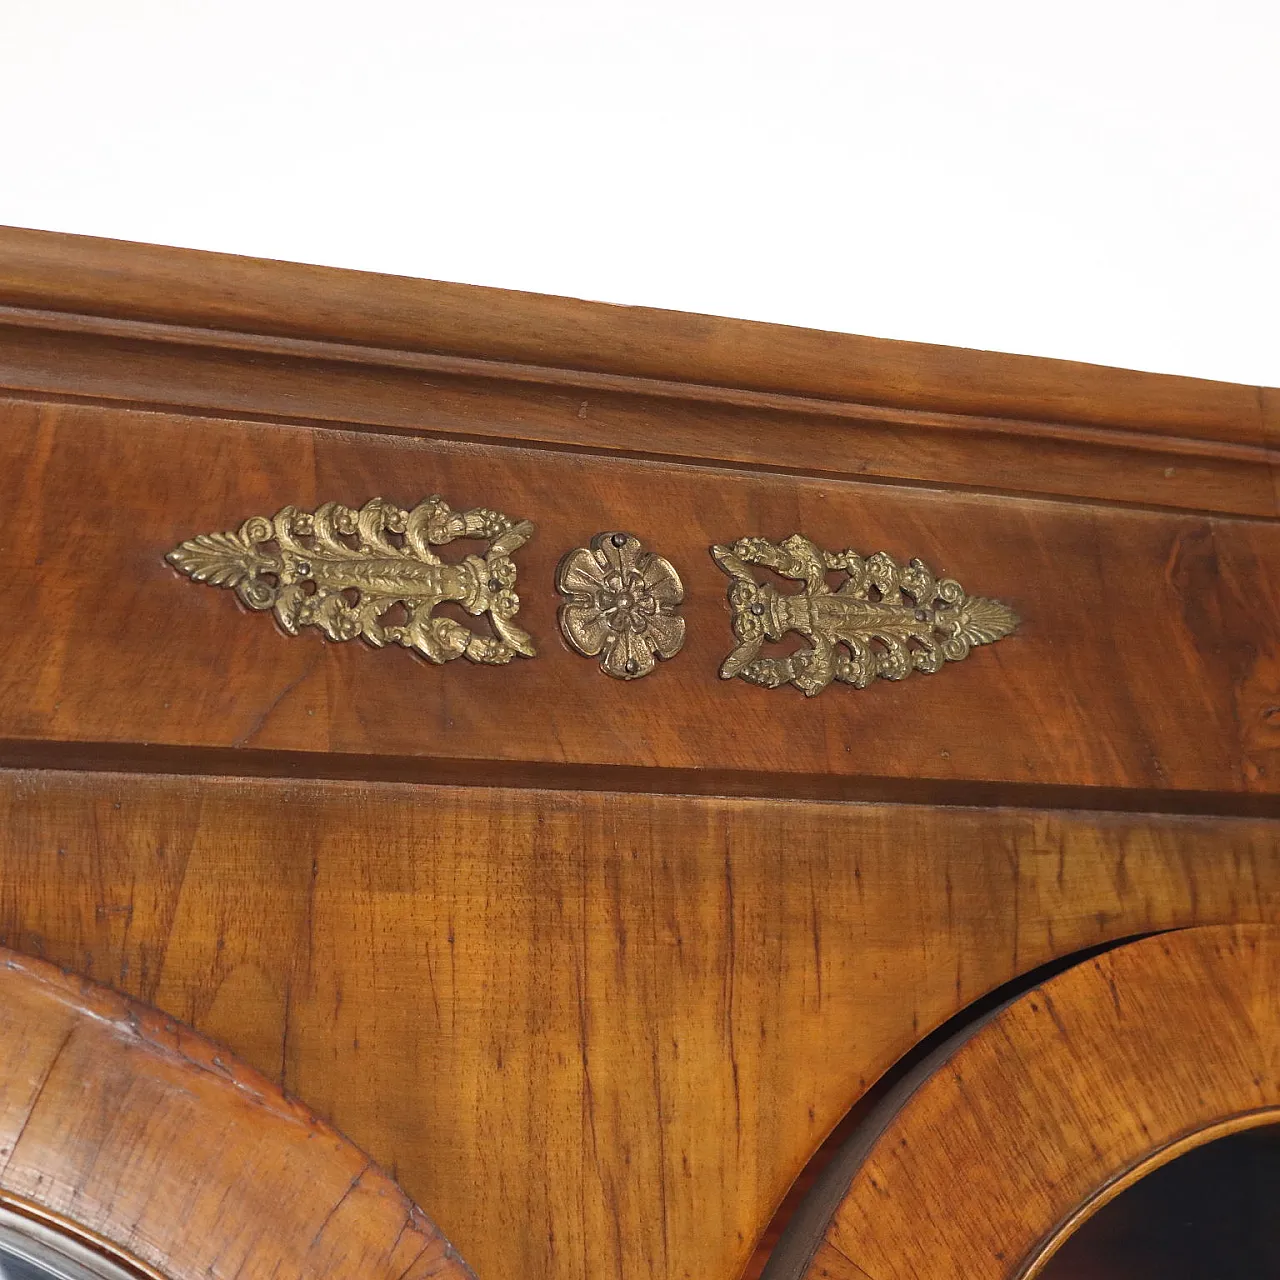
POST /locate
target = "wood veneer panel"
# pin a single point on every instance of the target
(1147, 659)
(113, 278)
(598, 1034)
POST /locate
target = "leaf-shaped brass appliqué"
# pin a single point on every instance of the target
(344, 571)
(883, 620)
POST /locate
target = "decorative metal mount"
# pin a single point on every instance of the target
(883, 620)
(346, 571)
(620, 601)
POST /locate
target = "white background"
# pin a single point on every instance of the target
(1098, 181)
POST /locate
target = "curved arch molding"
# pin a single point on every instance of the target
(1052, 1105)
(130, 1131)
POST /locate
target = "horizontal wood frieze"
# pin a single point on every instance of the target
(1149, 657)
(86, 275)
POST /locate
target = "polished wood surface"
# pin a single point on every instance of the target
(308, 382)
(591, 1033)
(1064, 1097)
(82, 274)
(96, 319)
(598, 1001)
(1147, 658)
(125, 1127)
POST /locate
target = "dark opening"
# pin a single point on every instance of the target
(1212, 1214)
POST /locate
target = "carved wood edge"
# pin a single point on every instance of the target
(138, 282)
(142, 1138)
(1133, 1032)
(1263, 450)
(804, 1233)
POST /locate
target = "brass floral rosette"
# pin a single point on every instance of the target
(620, 603)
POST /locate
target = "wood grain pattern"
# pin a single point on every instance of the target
(49, 354)
(156, 1144)
(112, 278)
(1270, 397)
(596, 1034)
(1149, 657)
(1066, 1096)
(600, 1028)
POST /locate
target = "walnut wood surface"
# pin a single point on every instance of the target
(112, 278)
(600, 1028)
(52, 354)
(596, 1034)
(1058, 1101)
(1148, 657)
(156, 1143)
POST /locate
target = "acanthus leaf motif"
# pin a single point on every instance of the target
(345, 570)
(885, 620)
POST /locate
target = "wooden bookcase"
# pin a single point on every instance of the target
(594, 967)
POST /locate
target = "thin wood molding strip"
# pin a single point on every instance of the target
(134, 1133)
(1049, 1109)
(185, 287)
(322, 766)
(144, 365)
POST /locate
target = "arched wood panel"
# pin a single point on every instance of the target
(1049, 1108)
(131, 1132)
(451, 975)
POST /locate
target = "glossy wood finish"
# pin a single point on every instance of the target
(593, 1033)
(307, 382)
(1147, 659)
(155, 1144)
(1061, 1099)
(81, 274)
(596, 1022)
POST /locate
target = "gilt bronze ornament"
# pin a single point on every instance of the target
(372, 573)
(620, 602)
(884, 620)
